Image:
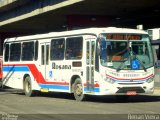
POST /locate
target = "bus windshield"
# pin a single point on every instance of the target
(126, 51)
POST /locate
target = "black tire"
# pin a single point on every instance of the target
(28, 87)
(1, 83)
(78, 90)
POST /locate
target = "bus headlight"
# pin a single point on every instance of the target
(149, 80)
(109, 80)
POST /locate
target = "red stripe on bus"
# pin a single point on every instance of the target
(37, 75)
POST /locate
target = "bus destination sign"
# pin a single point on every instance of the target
(122, 37)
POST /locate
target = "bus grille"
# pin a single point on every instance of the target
(125, 89)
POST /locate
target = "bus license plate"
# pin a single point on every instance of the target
(131, 93)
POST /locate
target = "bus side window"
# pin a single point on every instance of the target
(57, 49)
(74, 47)
(15, 52)
(27, 51)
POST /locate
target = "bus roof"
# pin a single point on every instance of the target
(154, 29)
(95, 31)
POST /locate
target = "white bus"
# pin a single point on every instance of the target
(94, 61)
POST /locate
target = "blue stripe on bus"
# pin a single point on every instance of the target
(62, 87)
(94, 90)
(49, 86)
(15, 69)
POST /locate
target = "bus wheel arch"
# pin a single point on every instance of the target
(77, 88)
(72, 82)
(27, 86)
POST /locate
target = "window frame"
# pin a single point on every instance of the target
(28, 52)
(72, 51)
(61, 54)
(18, 50)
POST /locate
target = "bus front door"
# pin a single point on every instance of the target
(44, 67)
(90, 59)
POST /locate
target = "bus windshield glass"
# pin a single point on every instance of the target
(126, 51)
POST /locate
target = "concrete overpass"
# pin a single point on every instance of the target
(19, 17)
(50, 15)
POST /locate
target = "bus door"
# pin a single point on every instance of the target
(90, 59)
(45, 49)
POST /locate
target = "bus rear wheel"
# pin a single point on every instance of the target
(1, 83)
(78, 90)
(28, 87)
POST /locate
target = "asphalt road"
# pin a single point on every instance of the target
(60, 106)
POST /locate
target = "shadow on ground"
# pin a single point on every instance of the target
(89, 98)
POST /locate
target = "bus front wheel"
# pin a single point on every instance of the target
(78, 90)
(28, 87)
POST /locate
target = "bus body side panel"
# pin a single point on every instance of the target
(56, 75)
(13, 75)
